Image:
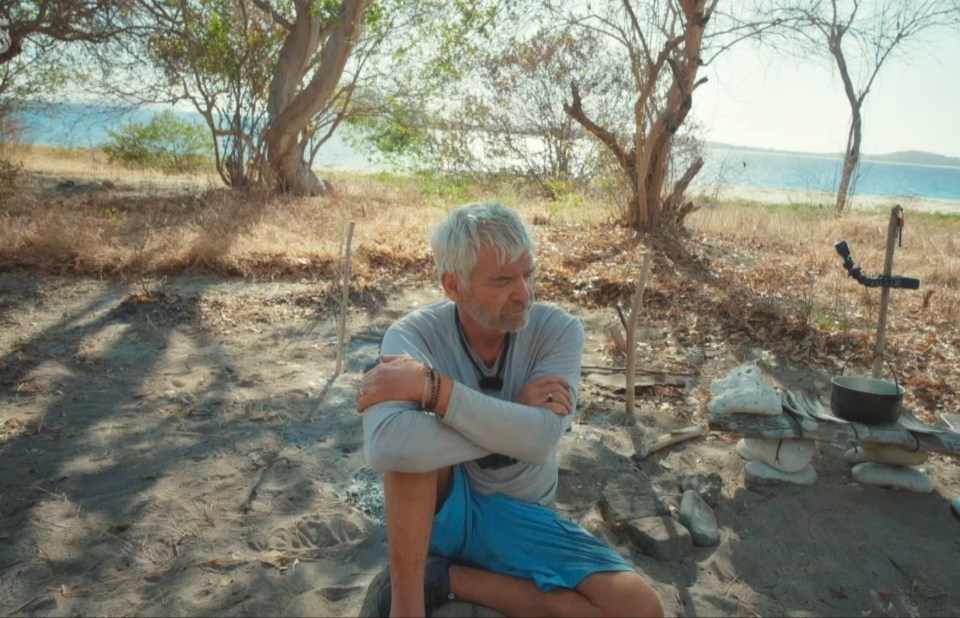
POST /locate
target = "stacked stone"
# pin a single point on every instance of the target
(888, 465)
(777, 460)
(771, 461)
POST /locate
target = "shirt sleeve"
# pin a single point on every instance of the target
(399, 437)
(524, 432)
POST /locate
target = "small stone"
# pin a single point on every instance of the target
(909, 479)
(759, 474)
(660, 537)
(630, 497)
(707, 485)
(672, 505)
(699, 519)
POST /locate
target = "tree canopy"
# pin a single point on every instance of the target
(562, 93)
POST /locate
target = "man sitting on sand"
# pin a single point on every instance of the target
(463, 416)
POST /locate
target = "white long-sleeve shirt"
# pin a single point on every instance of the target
(399, 437)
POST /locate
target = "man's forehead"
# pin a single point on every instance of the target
(492, 259)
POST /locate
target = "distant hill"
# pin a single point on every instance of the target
(916, 157)
(911, 157)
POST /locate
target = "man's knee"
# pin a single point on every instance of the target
(419, 484)
(631, 596)
(639, 599)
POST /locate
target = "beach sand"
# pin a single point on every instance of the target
(770, 195)
(186, 450)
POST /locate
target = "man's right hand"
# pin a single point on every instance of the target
(550, 392)
(396, 377)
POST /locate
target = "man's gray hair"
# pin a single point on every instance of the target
(456, 242)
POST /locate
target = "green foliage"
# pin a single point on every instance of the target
(419, 71)
(166, 142)
(565, 196)
(454, 187)
(220, 56)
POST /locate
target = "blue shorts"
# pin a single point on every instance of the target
(500, 534)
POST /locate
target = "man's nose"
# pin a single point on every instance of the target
(522, 290)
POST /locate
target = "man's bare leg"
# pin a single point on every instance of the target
(411, 501)
(621, 593)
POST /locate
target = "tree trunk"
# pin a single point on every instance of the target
(291, 108)
(652, 163)
(674, 210)
(851, 156)
(646, 163)
(851, 160)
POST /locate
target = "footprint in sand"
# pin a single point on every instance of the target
(314, 532)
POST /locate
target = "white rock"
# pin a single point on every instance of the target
(753, 399)
(854, 455)
(892, 454)
(787, 455)
(743, 450)
(897, 477)
(758, 471)
(889, 454)
(744, 375)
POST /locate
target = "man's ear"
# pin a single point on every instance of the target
(451, 285)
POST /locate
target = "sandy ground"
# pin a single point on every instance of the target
(189, 452)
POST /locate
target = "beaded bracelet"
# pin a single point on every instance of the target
(427, 389)
(435, 398)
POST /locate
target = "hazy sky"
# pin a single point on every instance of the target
(762, 99)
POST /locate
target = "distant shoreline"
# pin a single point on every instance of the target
(786, 197)
(721, 191)
(918, 158)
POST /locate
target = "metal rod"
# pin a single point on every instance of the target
(895, 214)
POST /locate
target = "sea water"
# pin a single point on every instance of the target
(730, 166)
(87, 125)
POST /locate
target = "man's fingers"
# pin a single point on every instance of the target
(386, 358)
(551, 382)
(558, 392)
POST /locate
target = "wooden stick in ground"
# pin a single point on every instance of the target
(344, 301)
(892, 230)
(632, 336)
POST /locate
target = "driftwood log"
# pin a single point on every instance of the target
(648, 447)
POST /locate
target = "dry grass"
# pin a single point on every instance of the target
(802, 241)
(785, 257)
(745, 274)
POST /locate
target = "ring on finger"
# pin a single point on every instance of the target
(549, 397)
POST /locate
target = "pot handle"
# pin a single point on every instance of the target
(896, 382)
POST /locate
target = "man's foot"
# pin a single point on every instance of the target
(436, 587)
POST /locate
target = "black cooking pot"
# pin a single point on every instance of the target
(872, 401)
